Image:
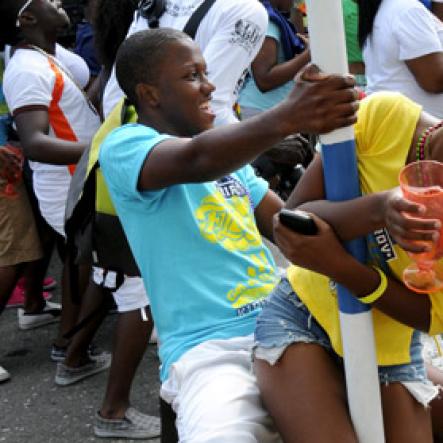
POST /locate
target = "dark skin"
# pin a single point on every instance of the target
(268, 73)
(437, 9)
(178, 103)
(431, 80)
(306, 371)
(40, 24)
(320, 103)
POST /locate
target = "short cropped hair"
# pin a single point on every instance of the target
(140, 57)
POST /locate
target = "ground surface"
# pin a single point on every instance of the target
(33, 409)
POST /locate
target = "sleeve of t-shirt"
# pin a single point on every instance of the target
(27, 87)
(256, 186)
(122, 156)
(235, 43)
(416, 32)
(273, 31)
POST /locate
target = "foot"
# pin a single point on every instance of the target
(49, 314)
(58, 353)
(66, 375)
(134, 425)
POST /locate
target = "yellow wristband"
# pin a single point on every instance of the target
(379, 291)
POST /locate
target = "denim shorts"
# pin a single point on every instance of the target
(285, 320)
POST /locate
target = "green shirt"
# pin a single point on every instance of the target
(350, 15)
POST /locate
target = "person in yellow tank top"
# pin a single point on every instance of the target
(298, 353)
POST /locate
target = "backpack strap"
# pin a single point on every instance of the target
(195, 19)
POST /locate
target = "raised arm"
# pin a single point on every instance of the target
(318, 103)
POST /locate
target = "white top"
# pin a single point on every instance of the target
(403, 30)
(29, 82)
(76, 65)
(230, 35)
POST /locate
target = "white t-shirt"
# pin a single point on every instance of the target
(230, 35)
(403, 30)
(76, 65)
(29, 81)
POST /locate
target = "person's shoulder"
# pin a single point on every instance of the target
(128, 133)
(412, 9)
(246, 8)
(27, 60)
(273, 30)
(26, 65)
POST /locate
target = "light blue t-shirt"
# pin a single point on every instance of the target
(251, 96)
(203, 261)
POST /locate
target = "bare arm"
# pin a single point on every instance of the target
(428, 71)
(33, 129)
(355, 218)
(350, 219)
(437, 9)
(317, 104)
(264, 213)
(268, 74)
(323, 253)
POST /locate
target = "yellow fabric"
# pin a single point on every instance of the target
(383, 133)
(103, 201)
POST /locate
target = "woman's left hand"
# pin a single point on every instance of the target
(405, 222)
(320, 252)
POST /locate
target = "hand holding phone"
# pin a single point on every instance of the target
(298, 221)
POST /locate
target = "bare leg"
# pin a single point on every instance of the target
(130, 341)
(406, 420)
(436, 376)
(93, 300)
(9, 276)
(34, 274)
(305, 394)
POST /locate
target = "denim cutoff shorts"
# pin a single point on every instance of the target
(285, 320)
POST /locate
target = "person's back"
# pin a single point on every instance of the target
(403, 30)
(229, 36)
(281, 56)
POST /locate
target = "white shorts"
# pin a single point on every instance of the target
(214, 393)
(131, 295)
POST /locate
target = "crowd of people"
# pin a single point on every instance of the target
(129, 146)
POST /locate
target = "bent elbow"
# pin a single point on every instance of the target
(432, 85)
(263, 86)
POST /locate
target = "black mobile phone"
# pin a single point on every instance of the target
(298, 221)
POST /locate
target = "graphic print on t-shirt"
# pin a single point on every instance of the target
(226, 218)
(246, 34)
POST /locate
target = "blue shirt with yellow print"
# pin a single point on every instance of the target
(203, 261)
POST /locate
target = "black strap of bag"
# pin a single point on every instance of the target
(152, 10)
(195, 19)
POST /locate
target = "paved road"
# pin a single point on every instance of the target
(33, 409)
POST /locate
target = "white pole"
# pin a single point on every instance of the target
(328, 50)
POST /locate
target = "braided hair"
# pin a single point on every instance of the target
(367, 11)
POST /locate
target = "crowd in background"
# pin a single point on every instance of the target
(81, 80)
